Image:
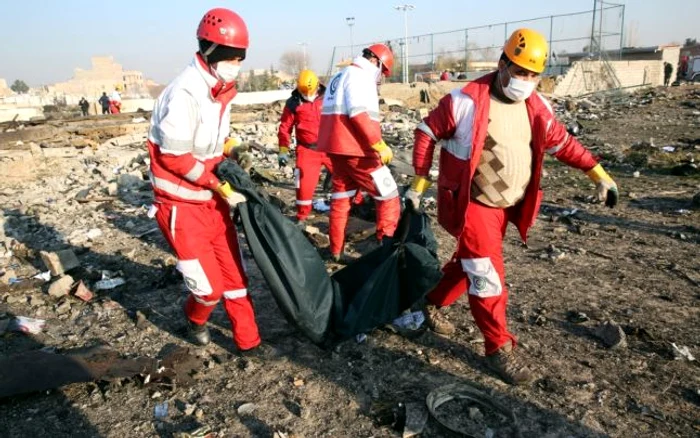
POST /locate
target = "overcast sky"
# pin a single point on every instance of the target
(43, 41)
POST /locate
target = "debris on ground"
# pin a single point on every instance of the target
(27, 325)
(612, 335)
(82, 186)
(40, 370)
(682, 352)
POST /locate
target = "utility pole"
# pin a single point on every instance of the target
(405, 9)
(303, 45)
(351, 23)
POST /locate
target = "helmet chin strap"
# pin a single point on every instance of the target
(209, 51)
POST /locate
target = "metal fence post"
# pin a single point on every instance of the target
(622, 32)
(551, 27)
(466, 50)
(432, 51)
(330, 67)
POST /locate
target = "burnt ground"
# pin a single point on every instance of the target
(636, 265)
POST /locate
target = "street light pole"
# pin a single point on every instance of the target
(405, 9)
(303, 45)
(351, 22)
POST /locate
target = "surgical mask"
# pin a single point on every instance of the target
(377, 73)
(312, 97)
(227, 72)
(378, 77)
(518, 90)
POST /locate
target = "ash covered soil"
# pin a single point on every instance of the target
(584, 265)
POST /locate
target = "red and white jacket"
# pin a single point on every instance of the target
(461, 121)
(350, 113)
(303, 117)
(189, 125)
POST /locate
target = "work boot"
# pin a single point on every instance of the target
(301, 224)
(437, 321)
(260, 351)
(198, 333)
(509, 366)
(342, 258)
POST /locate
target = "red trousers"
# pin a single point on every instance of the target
(306, 176)
(115, 107)
(351, 174)
(477, 267)
(204, 239)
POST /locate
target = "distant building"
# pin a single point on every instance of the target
(104, 75)
(280, 76)
(4, 89)
(668, 53)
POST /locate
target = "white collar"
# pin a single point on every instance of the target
(210, 80)
(365, 64)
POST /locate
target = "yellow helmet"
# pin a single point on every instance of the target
(528, 49)
(118, 87)
(307, 84)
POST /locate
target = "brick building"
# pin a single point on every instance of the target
(104, 75)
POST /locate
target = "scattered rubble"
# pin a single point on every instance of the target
(612, 335)
(60, 262)
(71, 186)
(61, 287)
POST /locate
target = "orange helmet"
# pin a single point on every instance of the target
(528, 49)
(307, 83)
(385, 55)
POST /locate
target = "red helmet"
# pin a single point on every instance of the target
(385, 55)
(223, 27)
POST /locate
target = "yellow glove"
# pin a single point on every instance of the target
(230, 144)
(413, 195)
(384, 151)
(607, 189)
(232, 197)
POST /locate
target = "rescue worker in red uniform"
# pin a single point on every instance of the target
(115, 101)
(351, 136)
(302, 113)
(494, 133)
(188, 138)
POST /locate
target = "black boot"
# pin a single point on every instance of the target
(199, 334)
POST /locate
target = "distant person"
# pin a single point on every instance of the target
(445, 76)
(302, 113)
(462, 76)
(84, 106)
(683, 69)
(115, 101)
(104, 102)
(668, 71)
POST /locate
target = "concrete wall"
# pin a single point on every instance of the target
(8, 113)
(261, 97)
(590, 76)
(31, 106)
(672, 55)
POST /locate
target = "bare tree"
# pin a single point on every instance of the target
(292, 61)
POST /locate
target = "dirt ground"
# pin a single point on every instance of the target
(636, 265)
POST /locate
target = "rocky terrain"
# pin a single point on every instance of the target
(606, 303)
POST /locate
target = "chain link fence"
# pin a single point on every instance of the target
(468, 51)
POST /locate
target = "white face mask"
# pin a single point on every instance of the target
(311, 98)
(378, 77)
(227, 72)
(518, 89)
